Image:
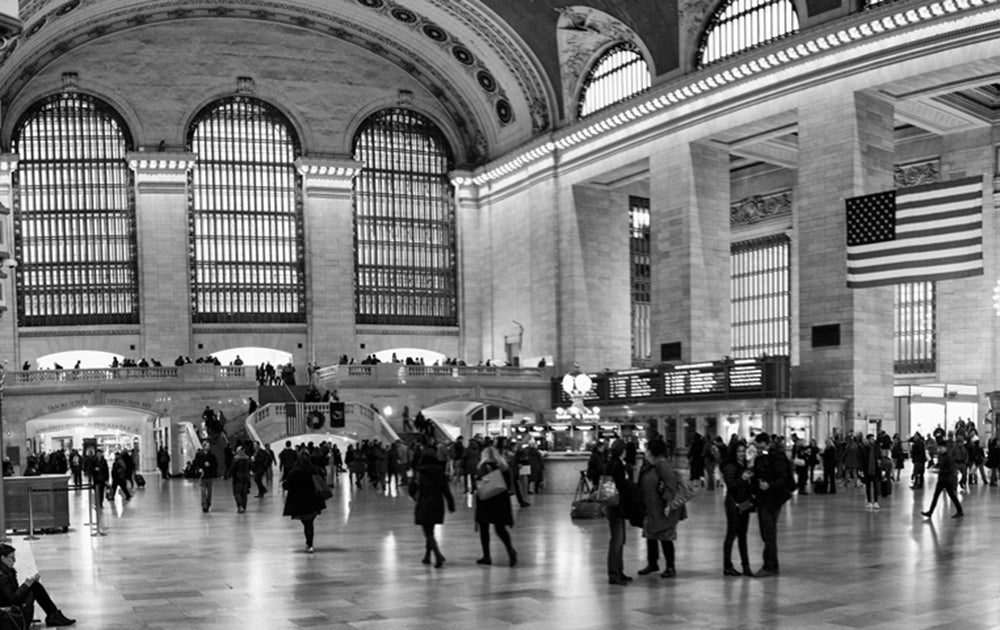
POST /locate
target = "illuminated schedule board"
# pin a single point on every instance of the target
(767, 377)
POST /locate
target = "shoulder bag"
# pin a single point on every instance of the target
(491, 485)
(321, 488)
(607, 491)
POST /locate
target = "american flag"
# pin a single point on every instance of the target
(918, 234)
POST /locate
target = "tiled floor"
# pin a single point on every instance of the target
(164, 564)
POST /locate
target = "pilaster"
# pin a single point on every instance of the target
(474, 274)
(327, 185)
(161, 205)
(690, 243)
(8, 264)
(846, 148)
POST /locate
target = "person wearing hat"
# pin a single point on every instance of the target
(772, 486)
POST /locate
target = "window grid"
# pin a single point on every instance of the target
(245, 215)
(404, 222)
(761, 297)
(639, 256)
(617, 75)
(741, 25)
(914, 329)
(74, 213)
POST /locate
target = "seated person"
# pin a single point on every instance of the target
(25, 595)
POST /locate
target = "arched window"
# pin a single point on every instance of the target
(621, 72)
(740, 25)
(245, 215)
(74, 215)
(404, 222)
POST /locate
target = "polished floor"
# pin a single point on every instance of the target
(165, 565)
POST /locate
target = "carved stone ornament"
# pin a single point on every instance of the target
(759, 207)
(916, 174)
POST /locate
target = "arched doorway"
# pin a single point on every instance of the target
(107, 427)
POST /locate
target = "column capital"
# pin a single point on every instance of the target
(466, 190)
(325, 177)
(161, 173)
(147, 163)
(8, 163)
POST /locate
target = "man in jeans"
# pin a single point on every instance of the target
(207, 464)
(773, 482)
(615, 468)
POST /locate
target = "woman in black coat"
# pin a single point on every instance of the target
(239, 472)
(302, 502)
(495, 510)
(431, 492)
(738, 506)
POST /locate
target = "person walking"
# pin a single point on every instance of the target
(119, 476)
(495, 510)
(302, 503)
(260, 464)
(430, 489)
(658, 485)
(100, 475)
(239, 472)
(947, 480)
(738, 504)
(918, 453)
(207, 465)
(829, 458)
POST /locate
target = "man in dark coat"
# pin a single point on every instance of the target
(207, 465)
(286, 459)
(773, 483)
(432, 493)
(24, 595)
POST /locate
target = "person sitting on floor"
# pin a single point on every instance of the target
(24, 595)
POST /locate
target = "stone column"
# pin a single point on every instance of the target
(161, 206)
(690, 250)
(846, 148)
(474, 272)
(8, 298)
(327, 186)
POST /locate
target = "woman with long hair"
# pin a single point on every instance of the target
(738, 506)
(494, 510)
(431, 491)
(302, 503)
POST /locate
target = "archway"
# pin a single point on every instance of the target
(107, 427)
(251, 355)
(88, 359)
(428, 357)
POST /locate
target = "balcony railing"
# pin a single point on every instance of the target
(194, 372)
(402, 372)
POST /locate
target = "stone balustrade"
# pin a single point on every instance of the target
(184, 373)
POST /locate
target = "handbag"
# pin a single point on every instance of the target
(607, 491)
(321, 488)
(799, 462)
(491, 485)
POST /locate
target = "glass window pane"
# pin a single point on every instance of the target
(75, 236)
(760, 297)
(404, 222)
(618, 74)
(245, 215)
(740, 25)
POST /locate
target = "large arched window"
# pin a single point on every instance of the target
(621, 72)
(74, 215)
(740, 25)
(404, 222)
(245, 215)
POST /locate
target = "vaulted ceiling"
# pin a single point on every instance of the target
(492, 64)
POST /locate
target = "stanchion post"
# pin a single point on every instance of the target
(31, 519)
(98, 516)
(90, 507)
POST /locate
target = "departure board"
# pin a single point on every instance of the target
(634, 385)
(729, 378)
